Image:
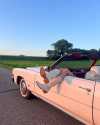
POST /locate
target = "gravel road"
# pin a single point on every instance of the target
(15, 110)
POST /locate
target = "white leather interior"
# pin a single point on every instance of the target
(93, 74)
(95, 69)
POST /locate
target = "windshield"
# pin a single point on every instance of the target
(76, 62)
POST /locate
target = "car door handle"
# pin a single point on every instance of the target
(87, 89)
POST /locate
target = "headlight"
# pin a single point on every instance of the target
(12, 76)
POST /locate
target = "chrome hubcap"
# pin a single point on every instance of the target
(23, 88)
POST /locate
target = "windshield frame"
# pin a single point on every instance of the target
(74, 55)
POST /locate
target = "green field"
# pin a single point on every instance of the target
(10, 64)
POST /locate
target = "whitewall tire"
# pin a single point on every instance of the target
(23, 90)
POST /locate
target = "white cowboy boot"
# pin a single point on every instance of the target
(47, 87)
(44, 87)
(49, 75)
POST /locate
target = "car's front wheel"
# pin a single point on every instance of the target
(23, 90)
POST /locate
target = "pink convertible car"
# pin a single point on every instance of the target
(79, 96)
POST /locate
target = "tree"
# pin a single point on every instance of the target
(83, 51)
(61, 47)
(93, 51)
(50, 54)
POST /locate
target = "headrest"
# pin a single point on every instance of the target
(95, 69)
(91, 75)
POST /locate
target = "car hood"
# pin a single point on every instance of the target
(36, 69)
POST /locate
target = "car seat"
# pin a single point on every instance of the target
(93, 74)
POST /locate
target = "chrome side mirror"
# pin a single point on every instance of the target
(48, 68)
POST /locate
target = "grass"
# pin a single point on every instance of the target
(10, 64)
(98, 62)
(77, 63)
(74, 64)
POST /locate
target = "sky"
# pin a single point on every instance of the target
(29, 27)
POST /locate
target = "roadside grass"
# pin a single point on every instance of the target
(10, 64)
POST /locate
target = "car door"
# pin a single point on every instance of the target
(78, 96)
(71, 95)
(96, 103)
(51, 96)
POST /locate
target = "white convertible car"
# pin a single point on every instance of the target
(79, 96)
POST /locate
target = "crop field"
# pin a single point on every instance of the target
(10, 64)
(86, 64)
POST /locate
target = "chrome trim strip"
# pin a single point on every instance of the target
(79, 119)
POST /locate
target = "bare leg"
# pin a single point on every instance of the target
(66, 72)
(61, 69)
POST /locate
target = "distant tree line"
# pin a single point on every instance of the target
(3, 57)
(63, 47)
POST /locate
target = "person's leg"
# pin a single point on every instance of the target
(54, 81)
(46, 87)
(66, 72)
(61, 69)
(50, 75)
